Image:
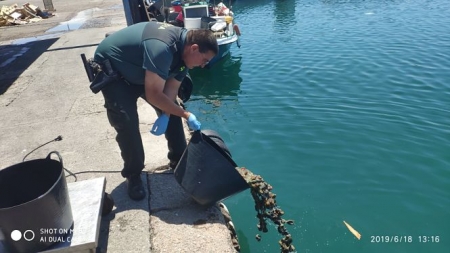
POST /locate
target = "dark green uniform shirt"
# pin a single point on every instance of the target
(152, 46)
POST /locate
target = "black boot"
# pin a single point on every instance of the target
(135, 188)
(173, 165)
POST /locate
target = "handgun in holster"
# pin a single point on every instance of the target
(99, 74)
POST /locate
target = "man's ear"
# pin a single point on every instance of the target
(194, 47)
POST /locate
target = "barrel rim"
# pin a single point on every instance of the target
(61, 175)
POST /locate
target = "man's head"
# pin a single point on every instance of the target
(200, 47)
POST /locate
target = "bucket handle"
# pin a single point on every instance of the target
(61, 161)
(59, 156)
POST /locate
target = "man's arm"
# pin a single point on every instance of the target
(163, 94)
(171, 88)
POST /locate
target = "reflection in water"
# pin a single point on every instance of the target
(284, 12)
(351, 101)
(220, 80)
(215, 96)
(243, 7)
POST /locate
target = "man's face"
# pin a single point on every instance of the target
(196, 59)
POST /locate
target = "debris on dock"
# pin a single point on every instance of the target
(19, 15)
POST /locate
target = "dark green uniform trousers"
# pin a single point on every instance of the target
(121, 107)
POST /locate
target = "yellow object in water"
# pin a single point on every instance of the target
(354, 232)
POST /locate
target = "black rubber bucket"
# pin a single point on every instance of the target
(215, 137)
(34, 198)
(206, 170)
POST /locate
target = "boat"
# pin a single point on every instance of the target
(198, 15)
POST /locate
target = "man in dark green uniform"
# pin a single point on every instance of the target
(152, 59)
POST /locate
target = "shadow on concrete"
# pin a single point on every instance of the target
(166, 201)
(121, 203)
(17, 58)
(170, 203)
(103, 236)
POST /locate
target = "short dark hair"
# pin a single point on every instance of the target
(205, 40)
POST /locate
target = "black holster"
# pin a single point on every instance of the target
(101, 80)
(99, 74)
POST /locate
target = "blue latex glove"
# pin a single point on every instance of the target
(160, 125)
(193, 123)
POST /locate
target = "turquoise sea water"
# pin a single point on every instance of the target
(344, 108)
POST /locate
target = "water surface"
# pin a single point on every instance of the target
(344, 107)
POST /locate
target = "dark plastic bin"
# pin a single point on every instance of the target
(34, 196)
(206, 170)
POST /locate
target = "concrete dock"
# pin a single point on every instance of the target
(45, 93)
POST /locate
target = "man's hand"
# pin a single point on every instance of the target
(193, 123)
(160, 125)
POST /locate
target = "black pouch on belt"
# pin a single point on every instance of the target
(104, 77)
